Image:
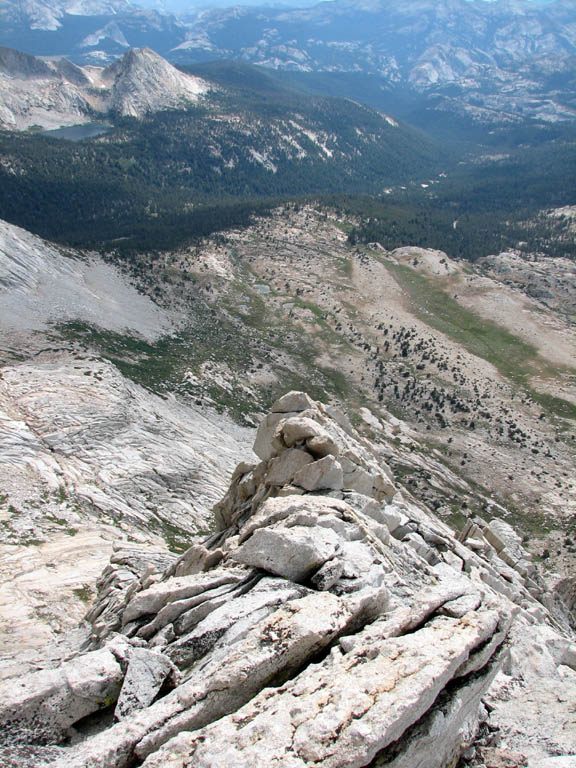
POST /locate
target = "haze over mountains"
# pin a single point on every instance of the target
(494, 60)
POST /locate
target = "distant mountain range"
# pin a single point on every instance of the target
(505, 60)
(88, 31)
(499, 60)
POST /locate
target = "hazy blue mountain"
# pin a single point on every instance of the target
(88, 31)
(494, 61)
(501, 61)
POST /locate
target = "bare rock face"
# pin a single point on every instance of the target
(338, 626)
(88, 459)
(142, 81)
(43, 705)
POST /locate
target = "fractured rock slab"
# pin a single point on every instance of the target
(41, 706)
(340, 712)
(154, 598)
(294, 553)
(145, 675)
(283, 469)
(324, 474)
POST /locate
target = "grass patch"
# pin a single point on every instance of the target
(320, 382)
(513, 358)
(238, 340)
(64, 524)
(176, 538)
(345, 265)
(160, 366)
(555, 405)
(311, 307)
(344, 226)
(83, 593)
(456, 519)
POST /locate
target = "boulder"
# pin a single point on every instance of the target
(281, 471)
(279, 509)
(322, 445)
(293, 402)
(503, 532)
(294, 553)
(461, 606)
(197, 605)
(196, 559)
(384, 487)
(324, 474)
(368, 418)
(297, 429)
(41, 706)
(328, 574)
(358, 479)
(392, 517)
(494, 757)
(265, 446)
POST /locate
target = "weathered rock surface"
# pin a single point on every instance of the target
(145, 676)
(40, 707)
(309, 629)
(294, 553)
(89, 458)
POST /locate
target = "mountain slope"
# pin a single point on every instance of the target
(144, 82)
(114, 418)
(247, 137)
(48, 95)
(88, 456)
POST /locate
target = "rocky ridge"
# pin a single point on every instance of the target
(90, 424)
(331, 618)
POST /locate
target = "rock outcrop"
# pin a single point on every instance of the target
(329, 620)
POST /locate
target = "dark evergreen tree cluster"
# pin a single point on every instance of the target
(177, 176)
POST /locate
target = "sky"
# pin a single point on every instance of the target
(179, 6)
